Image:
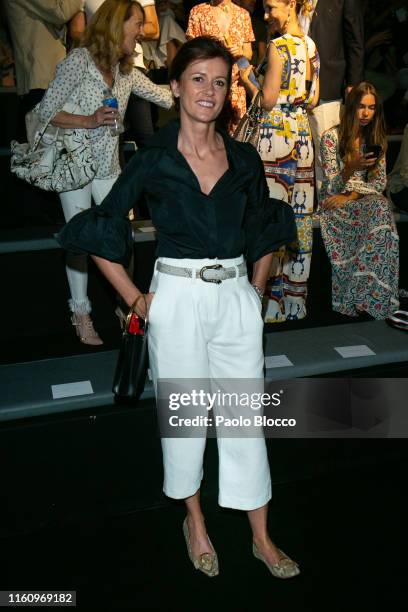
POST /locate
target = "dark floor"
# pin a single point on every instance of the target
(348, 533)
(83, 510)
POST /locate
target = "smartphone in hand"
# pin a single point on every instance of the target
(371, 150)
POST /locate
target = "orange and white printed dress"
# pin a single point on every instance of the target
(203, 22)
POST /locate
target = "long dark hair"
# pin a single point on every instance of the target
(350, 129)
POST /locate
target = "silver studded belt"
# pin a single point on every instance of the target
(209, 274)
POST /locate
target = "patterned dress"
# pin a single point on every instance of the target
(360, 237)
(286, 149)
(203, 22)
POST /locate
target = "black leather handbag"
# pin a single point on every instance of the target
(131, 368)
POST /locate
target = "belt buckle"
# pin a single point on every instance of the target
(210, 280)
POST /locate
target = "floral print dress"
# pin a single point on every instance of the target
(203, 22)
(286, 149)
(360, 237)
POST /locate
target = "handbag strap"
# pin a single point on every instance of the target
(132, 311)
(256, 102)
(41, 132)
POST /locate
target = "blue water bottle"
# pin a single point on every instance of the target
(109, 100)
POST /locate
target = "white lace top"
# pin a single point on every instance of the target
(78, 79)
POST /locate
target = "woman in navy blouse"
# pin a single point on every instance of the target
(209, 203)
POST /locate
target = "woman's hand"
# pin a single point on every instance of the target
(360, 162)
(335, 201)
(236, 50)
(244, 74)
(142, 306)
(105, 115)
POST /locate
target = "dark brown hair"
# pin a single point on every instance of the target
(350, 129)
(200, 48)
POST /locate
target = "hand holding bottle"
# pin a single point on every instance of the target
(111, 102)
(103, 116)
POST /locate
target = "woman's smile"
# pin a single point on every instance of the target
(206, 103)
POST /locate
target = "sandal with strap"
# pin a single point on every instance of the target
(85, 330)
(399, 320)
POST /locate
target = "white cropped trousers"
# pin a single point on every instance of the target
(204, 330)
(74, 202)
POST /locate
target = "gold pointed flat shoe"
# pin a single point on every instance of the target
(207, 562)
(286, 568)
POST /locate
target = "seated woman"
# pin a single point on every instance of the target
(356, 220)
(159, 54)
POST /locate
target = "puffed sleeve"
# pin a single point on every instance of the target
(105, 230)
(68, 76)
(145, 88)
(268, 223)
(194, 23)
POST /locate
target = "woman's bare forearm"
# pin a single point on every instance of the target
(104, 115)
(116, 274)
(261, 271)
(68, 120)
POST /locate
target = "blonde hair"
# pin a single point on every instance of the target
(103, 36)
(302, 6)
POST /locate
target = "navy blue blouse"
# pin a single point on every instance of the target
(237, 217)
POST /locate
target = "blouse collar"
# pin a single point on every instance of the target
(167, 138)
(95, 72)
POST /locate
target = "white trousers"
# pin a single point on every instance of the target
(322, 118)
(73, 202)
(209, 331)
